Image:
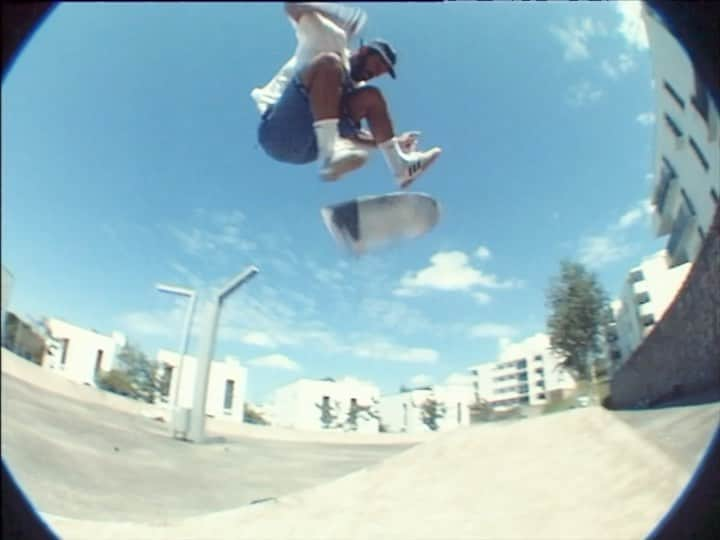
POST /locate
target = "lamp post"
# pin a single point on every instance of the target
(202, 373)
(170, 289)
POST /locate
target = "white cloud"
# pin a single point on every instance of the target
(492, 330)
(596, 251)
(450, 271)
(482, 253)
(624, 64)
(634, 215)
(405, 292)
(584, 93)
(275, 361)
(395, 315)
(646, 118)
(222, 234)
(632, 27)
(481, 297)
(152, 324)
(575, 35)
(259, 339)
(383, 350)
(421, 380)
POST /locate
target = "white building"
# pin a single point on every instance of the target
(315, 405)
(80, 354)
(403, 412)
(647, 293)
(227, 384)
(687, 152)
(7, 283)
(525, 373)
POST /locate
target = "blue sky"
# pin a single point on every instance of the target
(129, 157)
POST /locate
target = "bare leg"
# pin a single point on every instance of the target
(369, 103)
(323, 80)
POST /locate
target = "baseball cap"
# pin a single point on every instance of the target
(385, 50)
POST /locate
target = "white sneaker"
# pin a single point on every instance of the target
(414, 165)
(346, 157)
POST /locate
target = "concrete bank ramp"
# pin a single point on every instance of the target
(578, 474)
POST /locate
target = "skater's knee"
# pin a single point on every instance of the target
(327, 63)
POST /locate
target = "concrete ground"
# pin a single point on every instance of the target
(93, 462)
(584, 473)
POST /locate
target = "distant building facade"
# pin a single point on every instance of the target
(524, 375)
(325, 404)
(80, 354)
(227, 384)
(405, 411)
(648, 291)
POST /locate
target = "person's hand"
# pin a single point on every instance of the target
(408, 141)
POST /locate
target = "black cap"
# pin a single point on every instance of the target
(385, 50)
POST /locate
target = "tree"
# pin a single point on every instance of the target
(329, 413)
(252, 416)
(432, 411)
(578, 315)
(139, 376)
(363, 412)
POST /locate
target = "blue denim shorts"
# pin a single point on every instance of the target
(286, 130)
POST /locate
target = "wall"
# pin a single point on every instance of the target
(681, 355)
(220, 372)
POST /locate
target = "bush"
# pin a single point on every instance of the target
(116, 382)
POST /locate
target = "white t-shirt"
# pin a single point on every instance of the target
(315, 34)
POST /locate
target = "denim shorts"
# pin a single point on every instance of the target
(286, 130)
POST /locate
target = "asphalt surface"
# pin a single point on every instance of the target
(86, 461)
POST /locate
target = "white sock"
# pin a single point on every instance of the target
(394, 157)
(326, 133)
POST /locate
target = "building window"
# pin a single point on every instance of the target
(98, 361)
(688, 202)
(648, 320)
(642, 298)
(699, 155)
(521, 364)
(538, 358)
(636, 275)
(674, 94)
(459, 413)
(541, 395)
(700, 98)
(229, 393)
(673, 126)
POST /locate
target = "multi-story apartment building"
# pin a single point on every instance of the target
(525, 374)
(687, 152)
(647, 293)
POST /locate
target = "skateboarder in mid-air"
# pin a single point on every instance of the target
(314, 106)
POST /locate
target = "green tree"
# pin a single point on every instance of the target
(432, 411)
(578, 315)
(141, 374)
(363, 412)
(329, 413)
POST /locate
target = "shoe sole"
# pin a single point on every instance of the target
(407, 183)
(344, 167)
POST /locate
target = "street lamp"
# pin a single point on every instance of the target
(202, 373)
(180, 291)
